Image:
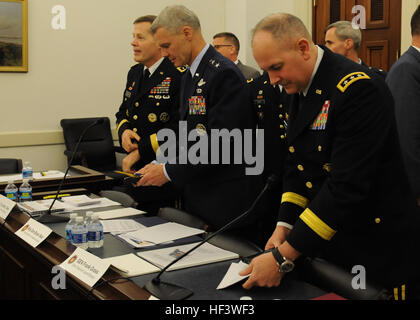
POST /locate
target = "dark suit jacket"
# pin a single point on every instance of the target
(248, 72)
(345, 189)
(148, 108)
(218, 98)
(404, 82)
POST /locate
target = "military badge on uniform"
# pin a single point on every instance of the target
(201, 83)
(197, 105)
(201, 129)
(152, 117)
(351, 78)
(127, 94)
(321, 121)
(164, 117)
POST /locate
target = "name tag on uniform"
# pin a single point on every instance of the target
(320, 123)
(197, 105)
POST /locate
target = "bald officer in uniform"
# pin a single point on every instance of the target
(346, 193)
(270, 104)
(214, 96)
(150, 103)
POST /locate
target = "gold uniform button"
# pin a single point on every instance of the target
(135, 117)
(137, 104)
(280, 116)
(157, 104)
(319, 148)
(378, 220)
(259, 107)
(300, 168)
(281, 106)
(283, 137)
(292, 150)
(135, 130)
(309, 185)
(281, 127)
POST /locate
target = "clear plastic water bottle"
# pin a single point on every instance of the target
(88, 218)
(70, 225)
(27, 171)
(95, 233)
(11, 191)
(79, 234)
(25, 191)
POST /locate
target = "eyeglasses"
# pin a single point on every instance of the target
(218, 46)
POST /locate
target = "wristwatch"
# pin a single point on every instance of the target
(285, 265)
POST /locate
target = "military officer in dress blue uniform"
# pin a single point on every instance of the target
(346, 195)
(150, 103)
(214, 96)
(270, 103)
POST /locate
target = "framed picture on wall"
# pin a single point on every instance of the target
(13, 35)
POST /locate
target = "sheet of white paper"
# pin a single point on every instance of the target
(51, 174)
(119, 213)
(36, 175)
(131, 265)
(164, 232)
(232, 275)
(12, 177)
(121, 226)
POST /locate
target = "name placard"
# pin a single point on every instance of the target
(33, 232)
(6, 206)
(85, 266)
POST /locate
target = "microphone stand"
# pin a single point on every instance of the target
(168, 291)
(48, 217)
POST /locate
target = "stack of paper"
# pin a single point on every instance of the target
(163, 233)
(205, 254)
(130, 265)
(121, 226)
(119, 213)
(37, 207)
(80, 201)
(86, 203)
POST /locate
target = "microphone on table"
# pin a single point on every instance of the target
(168, 291)
(48, 217)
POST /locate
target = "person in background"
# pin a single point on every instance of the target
(404, 82)
(270, 102)
(228, 45)
(342, 38)
(214, 96)
(150, 103)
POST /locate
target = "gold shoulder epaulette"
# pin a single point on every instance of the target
(182, 69)
(351, 78)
